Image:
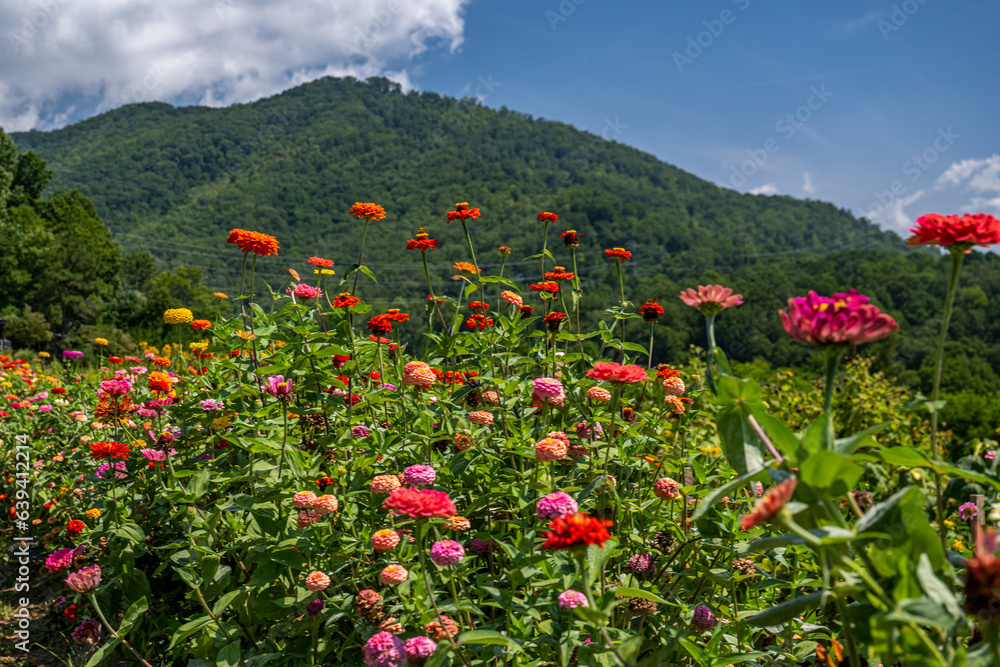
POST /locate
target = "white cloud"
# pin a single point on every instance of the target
(978, 180)
(808, 187)
(766, 189)
(99, 54)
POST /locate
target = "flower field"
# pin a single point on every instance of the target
(305, 485)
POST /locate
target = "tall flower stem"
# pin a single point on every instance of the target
(472, 251)
(957, 253)
(284, 438)
(833, 357)
(649, 360)
(545, 248)
(576, 292)
(357, 273)
(100, 615)
(243, 279)
(421, 528)
(710, 361)
(430, 289)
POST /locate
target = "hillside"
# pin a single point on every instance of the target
(174, 180)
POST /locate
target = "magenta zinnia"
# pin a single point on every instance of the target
(843, 319)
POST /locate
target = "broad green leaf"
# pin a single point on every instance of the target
(624, 591)
(786, 611)
(229, 656)
(138, 608)
(488, 637)
(827, 475)
(727, 488)
(199, 484)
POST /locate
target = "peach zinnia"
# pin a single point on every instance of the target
(768, 506)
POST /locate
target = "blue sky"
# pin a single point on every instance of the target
(884, 108)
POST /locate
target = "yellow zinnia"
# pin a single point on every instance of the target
(177, 316)
(44, 355)
(101, 341)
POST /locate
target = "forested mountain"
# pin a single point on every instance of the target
(173, 181)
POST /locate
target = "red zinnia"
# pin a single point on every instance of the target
(380, 324)
(547, 217)
(255, 242)
(571, 238)
(478, 305)
(420, 503)
(770, 504)
(526, 311)
(345, 300)
(576, 530)
(367, 211)
(59, 390)
(618, 373)
(114, 360)
(664, 371)
(198, 325)
(550, 286)
(463, 212)
(961, 230)
(478, 321)
(651, 310)
(619, 253)
(558, 273)
(108, 450)
(554, 320)
(74, 528)
(422, 242)
(320, 262)
(395, 315)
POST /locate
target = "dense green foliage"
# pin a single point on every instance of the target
(172, 181)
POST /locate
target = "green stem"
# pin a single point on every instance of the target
(430, 589)
(357, 273)
(545, 247)
(472, 251)
(833, 357)
(100, 615)
(710, 358)
(649, 361)
(957, 253)
(430, 288)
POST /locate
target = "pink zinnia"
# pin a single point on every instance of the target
(385, 649)
(419, 475)
(550, 449)
(711, 299)
(62, 559)
(117, 387)
(303, 291)
(491, 398)
(447, 552)
(570, 599)
(666, 489)
(419, 650)
(548, 388)
(385, 540)
(85, 580)
(393, 575)
(512, 298)
(556, 504)
(304, 500)
(278, 386)
(317, 581)
(211, 404)
(420, 503)
(306, 518)
(325, 504)
(843, 319)
(481, 418)
(585, 432)
(417, 373)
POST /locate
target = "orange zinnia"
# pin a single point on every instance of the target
(198, 325)
(345, 300)
(769, 506)
(465, 266)
(256, 242)
(618, 253)
(367, 211)
(320, 262)
(220, 295)
(463, 212)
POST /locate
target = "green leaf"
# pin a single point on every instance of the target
(827, 475)
(786, 611)
(726, 489)
(198, 485)
(738, 439)
(488, 637)
(189, 629)
(852, 443)
(229, 656)
(735, 658)
(936, 589)
(138, 608)
(625, 591)
(103, 652)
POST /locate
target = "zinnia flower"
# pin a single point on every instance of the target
(463, 212)
(547, 217)
(512, 298)
(550, 449)
(380, 324)
(393, 575)
(466, 267)
(441, 629)
(554, 320)
(571, 238)
(85, 580)
(982, 574)
(74, 528)
(968, 511)
(711, 299)
(843, 319)
(666, 489)
(258, 243)
(177, 316)
(619, 254)
(384, 484)
(108, 450)
(417, 373)
(303, 500)
(570, 599)
(278, 387)
(651, 311)
(576, 530)
(420, 503)
(317, 581)
(481, 418)
(958, 230)
(768, 506)
(385, 540)
(200, 325)
(367, 211)
(702, 618)
(419, 475)
(385, 649)
(320, 262)
(599, 394)
(303, 291)
(447, 552)
(423, 242)
(87, 633)
(617, 373)
(419, 650)
(555, 505)
(345, 300)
